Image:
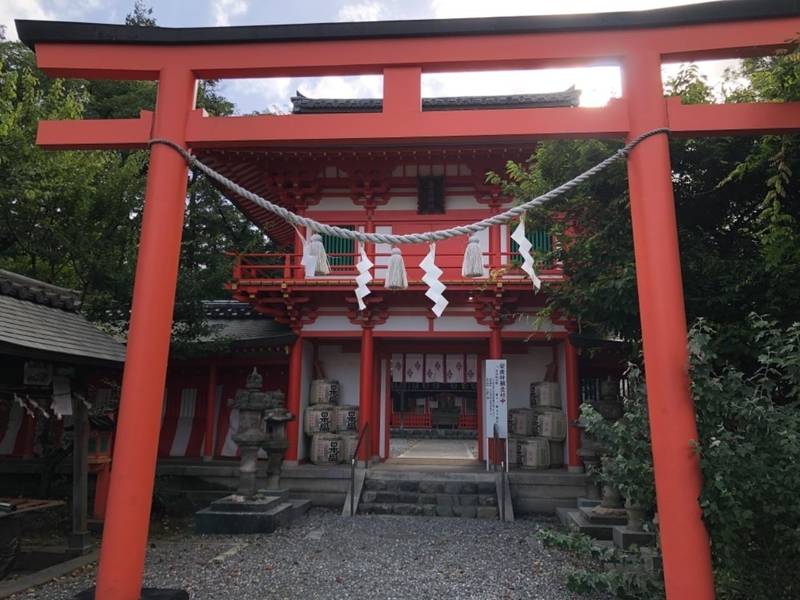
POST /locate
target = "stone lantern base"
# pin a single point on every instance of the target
(263, 513)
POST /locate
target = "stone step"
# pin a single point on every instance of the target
(300, 506)
(383, 484)
(604, 516)
(387, 497)
(573, 519)
(428, 510)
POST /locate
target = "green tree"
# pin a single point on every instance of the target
(737, 208)
(73, 218)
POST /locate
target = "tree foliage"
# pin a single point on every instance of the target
(73, 218)
(736, 201)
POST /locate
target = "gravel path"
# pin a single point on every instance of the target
(324, 555)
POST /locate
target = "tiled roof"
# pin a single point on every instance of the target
(38, 292)
(237, 321)
(41, 317)
(303, 105)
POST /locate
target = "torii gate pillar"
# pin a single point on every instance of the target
(139, 424)
(685, 544)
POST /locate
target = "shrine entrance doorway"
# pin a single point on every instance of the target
(433, 401)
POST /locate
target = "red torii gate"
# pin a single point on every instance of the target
(401, 52)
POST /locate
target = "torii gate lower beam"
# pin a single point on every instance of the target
(638, 44)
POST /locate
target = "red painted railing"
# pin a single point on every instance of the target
(280, 266)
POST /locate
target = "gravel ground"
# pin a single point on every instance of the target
(324, 555)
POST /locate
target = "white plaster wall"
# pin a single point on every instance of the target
(333, 203)
(462, 202)
(329, 323)
(403, 323)
(458, 323)
(343, 367)
(398, 203)
(524, 369)
(306, 370)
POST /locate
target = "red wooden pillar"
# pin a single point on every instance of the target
(211, 401)
(573, 405)
(132, 478)
(673, 429)
(365, 391)
(293, 397)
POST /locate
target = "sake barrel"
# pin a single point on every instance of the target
(326, 449)
(320, 418)
(515, 450)
(535, 453)
(556, 454)
(551, 424)
(521, 421)
(324, 391)
(545, 394)
(346, 418)
(349, 442)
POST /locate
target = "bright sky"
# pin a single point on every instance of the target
(598, 84)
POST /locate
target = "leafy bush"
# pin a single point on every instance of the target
(620, 573)
(749, 447)
(629, 462)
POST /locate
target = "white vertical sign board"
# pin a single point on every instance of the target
(495, 402)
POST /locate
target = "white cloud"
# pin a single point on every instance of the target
(223, 10)
(21, 9)
(369, 10)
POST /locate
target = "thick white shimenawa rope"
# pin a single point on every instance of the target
(410, 238)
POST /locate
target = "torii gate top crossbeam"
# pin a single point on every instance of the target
(401, 51)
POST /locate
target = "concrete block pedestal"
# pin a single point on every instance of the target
(625, 538)
(264, 513)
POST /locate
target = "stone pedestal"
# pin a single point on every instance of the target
(262, 513)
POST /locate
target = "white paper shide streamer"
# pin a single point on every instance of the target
(431, 279)
(525, 252)
(363, 278)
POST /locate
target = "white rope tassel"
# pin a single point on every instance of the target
(317, 250)
(431, 278)
(363, 278)
(525, 252)
(473, 259)
(396, 278)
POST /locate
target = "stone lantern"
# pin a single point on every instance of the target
(262, 424)
(250, 435)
